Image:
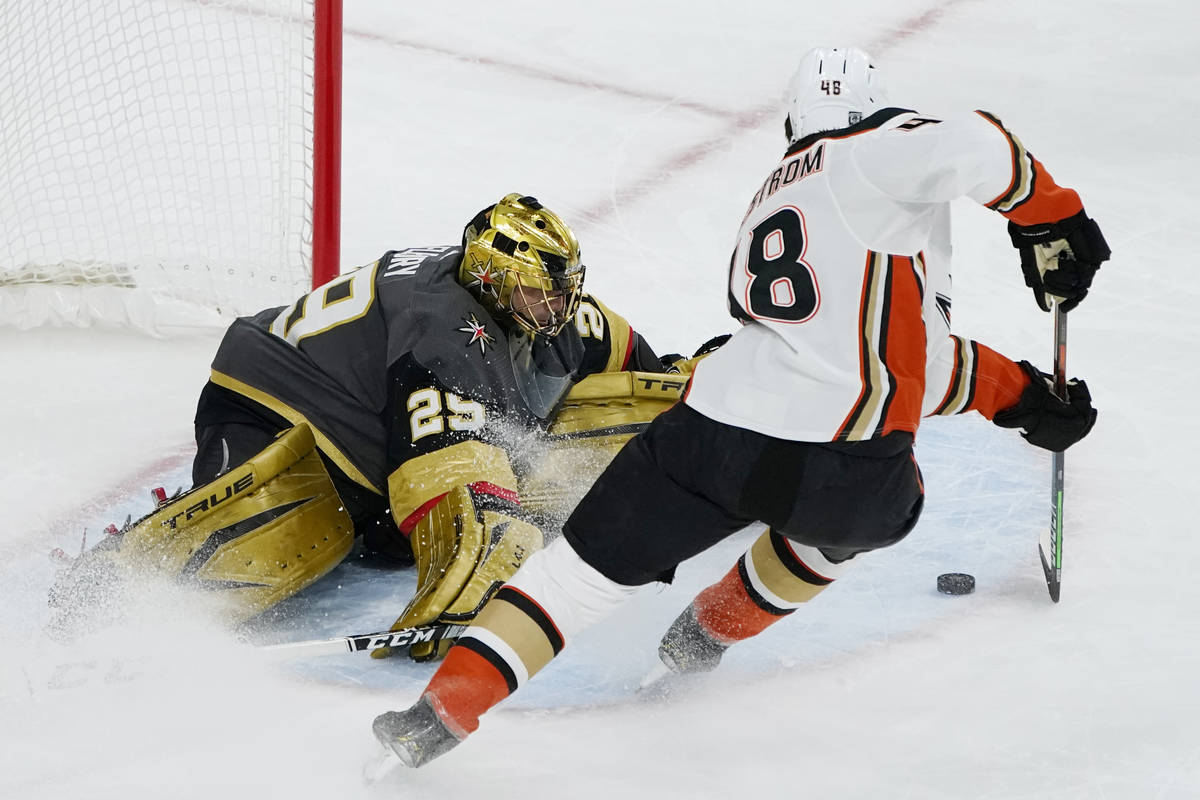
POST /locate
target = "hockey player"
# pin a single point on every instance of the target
(805, 419)
(388, 402)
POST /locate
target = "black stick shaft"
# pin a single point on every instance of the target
(1051, 550)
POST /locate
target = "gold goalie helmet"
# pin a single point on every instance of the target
(522, 260)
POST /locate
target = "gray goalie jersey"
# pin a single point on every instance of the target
(397, 359)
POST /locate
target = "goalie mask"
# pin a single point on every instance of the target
(521, 260)
(834, 87)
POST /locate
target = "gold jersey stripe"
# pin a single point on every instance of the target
(620, 335)
(959, 377)
(1024, 173)
(864, 418)
(293, 416)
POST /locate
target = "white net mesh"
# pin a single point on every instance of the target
(155, 159)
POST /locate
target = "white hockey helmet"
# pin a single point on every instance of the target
(834, 87)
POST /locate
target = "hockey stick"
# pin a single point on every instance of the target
(366, 641)
(1050, 545)
(55, 674)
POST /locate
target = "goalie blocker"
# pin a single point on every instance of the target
(470, 521)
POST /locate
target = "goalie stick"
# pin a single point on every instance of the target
(366, 641)
(1050, 545)
(56, 674)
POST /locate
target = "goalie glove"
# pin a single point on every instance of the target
(1060, 259)
(1047, 420)
(466, 547)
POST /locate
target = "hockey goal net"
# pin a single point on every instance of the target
(166, 162)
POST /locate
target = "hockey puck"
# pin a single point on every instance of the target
(956, 583)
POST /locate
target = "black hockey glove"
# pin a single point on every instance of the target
(1060, 259)
(1046, 420)
(712, 344)
(678, 363)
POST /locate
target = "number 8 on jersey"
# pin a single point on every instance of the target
(768, 277)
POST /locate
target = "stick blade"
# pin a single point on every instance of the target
(1053, 576)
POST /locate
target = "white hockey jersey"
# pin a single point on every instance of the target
(841, 274)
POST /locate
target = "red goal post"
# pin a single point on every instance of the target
(164, 163)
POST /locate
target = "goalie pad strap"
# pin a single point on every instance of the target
(407, 524)
(484, 487)
(477, 488)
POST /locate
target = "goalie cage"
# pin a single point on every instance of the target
(166, 163)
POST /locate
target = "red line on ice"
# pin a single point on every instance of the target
(687, 158)
(67, 528)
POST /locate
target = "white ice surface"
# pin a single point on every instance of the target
(649, 125)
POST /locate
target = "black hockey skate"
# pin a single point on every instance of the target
(686, 651)
(687, 648)
(416, 736)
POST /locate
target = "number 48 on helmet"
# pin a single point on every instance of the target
(833, 87)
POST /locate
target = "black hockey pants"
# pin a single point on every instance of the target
(688, 481)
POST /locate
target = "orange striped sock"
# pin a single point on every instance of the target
(464, 687)
(726, 611)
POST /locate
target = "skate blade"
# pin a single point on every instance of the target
(662, 684)
(654, 677)
(379, 767)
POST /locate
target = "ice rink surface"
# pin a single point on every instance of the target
(648, 126)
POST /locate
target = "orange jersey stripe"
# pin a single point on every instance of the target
(999, 382)
(1049, 202)
(905, 350)
(981, 380)
(1032, 196)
